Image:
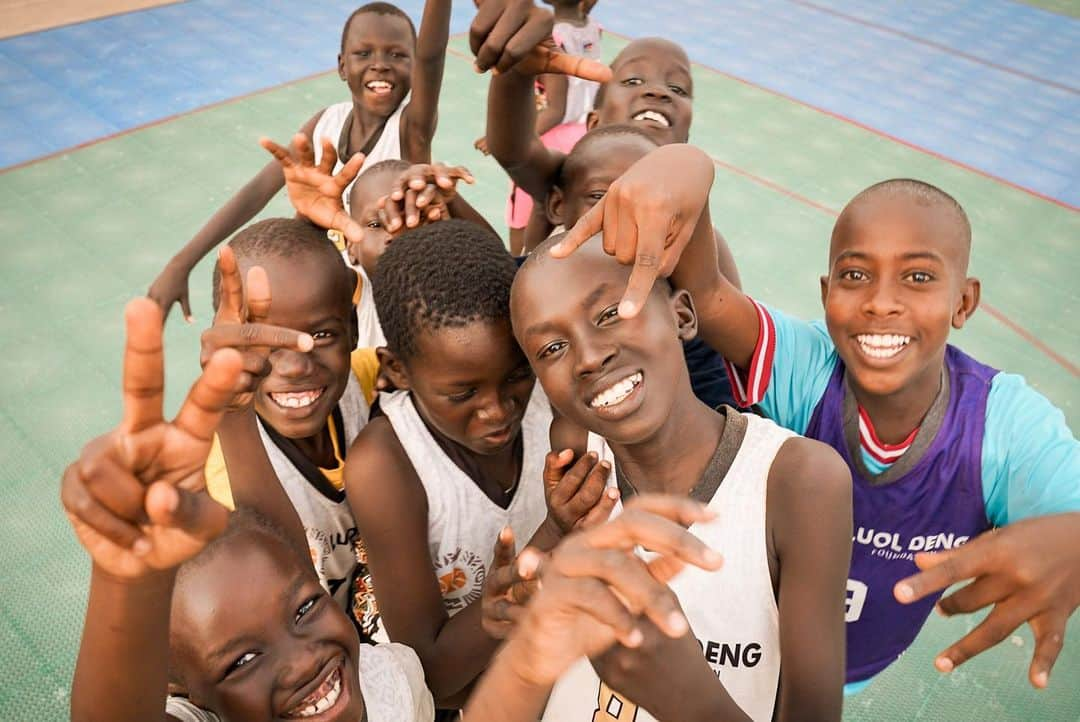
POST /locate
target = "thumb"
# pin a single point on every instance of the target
(196, 514)
(554, 464)
(185, 306)
(354, 232)
(504, 548)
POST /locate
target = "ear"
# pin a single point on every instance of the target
(553, 206)
(685, 314)
(393, 368)
(969, 301)
(824, 289)
(592, 120)
(341, 67)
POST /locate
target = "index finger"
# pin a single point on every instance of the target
(212, 392)
(232, 288)
(543, 59)
(647, 258)
(144, 365)
(504, 548)
(258, 294)
(939, 571)
(587, 226)
(277, 151)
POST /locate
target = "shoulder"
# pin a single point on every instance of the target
(392, 680)
(805, 466)
(378, 470)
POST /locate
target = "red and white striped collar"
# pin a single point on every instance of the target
(878, 449)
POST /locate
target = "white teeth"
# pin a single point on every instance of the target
(379, 86)
(296, 399)
(617, 392)
(653, 116)
(882, 345)
(328, 700)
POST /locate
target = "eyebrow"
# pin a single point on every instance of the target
(913, 256)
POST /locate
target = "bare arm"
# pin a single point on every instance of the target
(512, 137)
(421, 115)
(171, 285)
(810, 519)
(390, 507)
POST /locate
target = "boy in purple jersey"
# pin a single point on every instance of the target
(941, 448)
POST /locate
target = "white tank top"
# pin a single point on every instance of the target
(371, 335)
(732, 612)
(328, 522)
(387, 147)
(463, 522)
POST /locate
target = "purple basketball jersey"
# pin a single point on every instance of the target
(938, 504)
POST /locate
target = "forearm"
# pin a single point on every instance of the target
(502, 695)
(461, 208)
(547, 536)
(459, 653)
(726, 260)
(122, 669)
(434, 33)
(511, 135)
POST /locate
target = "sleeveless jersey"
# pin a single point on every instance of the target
(463, 522)
(936, 504)
(332, 123)
(732, 612)
(323, 510)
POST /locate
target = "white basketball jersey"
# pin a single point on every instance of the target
(387, 147)
(463, 522)
(732, 612)
(327, 519)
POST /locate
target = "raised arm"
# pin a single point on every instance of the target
(810, 519)
(555, 89)
(171, 285)
(421, 115)
(511, 134)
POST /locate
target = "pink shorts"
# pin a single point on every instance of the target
(562, 138)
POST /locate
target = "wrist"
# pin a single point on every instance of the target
(151, 580)
(548, 535)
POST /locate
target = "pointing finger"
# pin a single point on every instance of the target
(587, 226)
(144, 366)
(210, 395)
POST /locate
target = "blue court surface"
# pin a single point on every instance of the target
(119, 137)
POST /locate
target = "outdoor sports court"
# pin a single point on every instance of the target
(120, 136)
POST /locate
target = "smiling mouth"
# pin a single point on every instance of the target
(652, 116)
(882, 345)
(379, 87)
(296, 399)
(617, 392)
(321, 698)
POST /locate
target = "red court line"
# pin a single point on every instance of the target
(937, 46)
(878, 132)
(990, 309)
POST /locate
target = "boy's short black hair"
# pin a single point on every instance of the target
(572, 160)
(390, 165)
(377, 8)
(442, 275)
(922, 193)
(281, 238)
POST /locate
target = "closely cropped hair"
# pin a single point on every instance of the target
(442, 275)
(281, 238)
(573, 159)
(390, 165)
(922, 193)
(376, 8)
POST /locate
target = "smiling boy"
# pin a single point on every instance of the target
(785, 549)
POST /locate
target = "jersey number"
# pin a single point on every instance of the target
(613, 707)
(856, 598)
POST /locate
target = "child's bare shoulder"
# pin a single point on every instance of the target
(377, 466)
(807, 466)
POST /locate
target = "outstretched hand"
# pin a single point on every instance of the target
(136, 496)
(171, 286)
(647, 217)
(240, 323)
(314, 190)
(1029, 571)
(516, 34)
(421, 195)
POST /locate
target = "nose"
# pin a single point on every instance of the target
(883, 300)
(593, 357)
(291, 364)
(658, 91)
(497, 409)
(298, 667)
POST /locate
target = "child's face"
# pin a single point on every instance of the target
(615, 377)
(308, 294)
(376, 61)
(896, 286)
(472, 384)
(651, 88)
(256, 638)
(592, 173)
(368, 190)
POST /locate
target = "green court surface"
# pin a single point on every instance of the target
(87, 230)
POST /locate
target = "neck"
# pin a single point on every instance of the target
(364, 125)
(673, 460)
(896, 415)
(319, 448)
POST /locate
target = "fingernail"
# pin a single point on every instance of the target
(605, 465)
(1042, 679)
(612, 492)
(944, 665)
(305, 342)
(713, 557)
(904, 592)
(141, 547)
(634, 639)
(677, 623)
(189, 318)
(412, 220)
(627, 309)
(476, 67)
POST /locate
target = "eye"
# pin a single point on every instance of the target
(920, 277)
(597, 196)
(519, 374)
(853, 274)
(609, 313)
(306, 608)
(399, 55)
(362, 53)
(374, 224)
(323, 334)
(462, 397)
(552, 348)
(632, 81)
(242, 661)
(678, 90)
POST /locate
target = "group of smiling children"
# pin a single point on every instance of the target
(505, 488)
